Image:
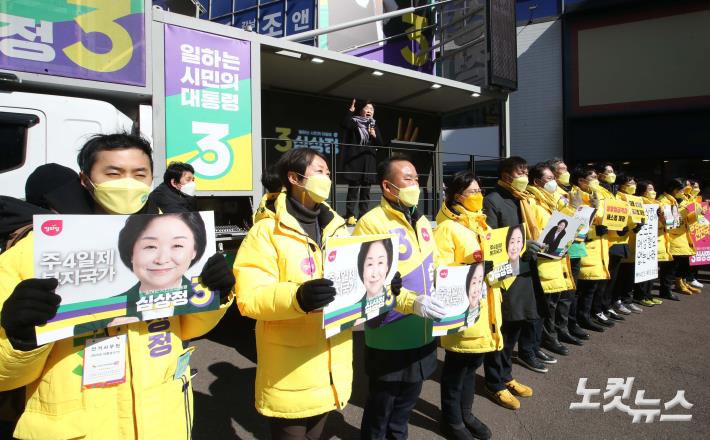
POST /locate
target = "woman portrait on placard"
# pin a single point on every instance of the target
(515, 242)
(475, 291)
(373, 264)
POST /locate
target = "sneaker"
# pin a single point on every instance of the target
(646, 302)
(634, 308)
(504, 399)
(657, 301)
(620, 307)
(533, 364)
(613, 314)
(351, 221)
(695, 283)
(519, 389)
(601, 319)
(545, 358)
(479, 429)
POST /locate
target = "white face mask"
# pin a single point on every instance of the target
(189, 188)
(551, 186)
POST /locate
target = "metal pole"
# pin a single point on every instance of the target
(361, 21)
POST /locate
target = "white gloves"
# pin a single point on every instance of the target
(429, 308)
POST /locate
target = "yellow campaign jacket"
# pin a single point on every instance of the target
(150, 404)
(614, 237)
(266, 207)
(299, 372)
(555, 275)
(418, 256)
(458, 238)
(680, 242)
(595, 266)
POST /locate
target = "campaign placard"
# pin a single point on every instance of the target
(461, 289)
(636, 210)
(646, 258)
(502, 251)
(559, 234)
(118, 269)
(361, 269)
(616, 213)
(700, 233)
(586, 215)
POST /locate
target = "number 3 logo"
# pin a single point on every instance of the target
(405, 253)
(102, 19)
(215, 156)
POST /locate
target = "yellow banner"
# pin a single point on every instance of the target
(616, 214)
(636, 210)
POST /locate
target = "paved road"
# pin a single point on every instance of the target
(665, 349)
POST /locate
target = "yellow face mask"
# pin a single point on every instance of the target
(564, 178)
(650, 195)
(520, 183)
(610, 178)
(473, 202)
(409, 196)
(629, 189)
(121, 196)
(695, 191)
(318, 187)
(687, 190)
(594, 185)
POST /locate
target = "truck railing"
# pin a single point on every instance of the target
(435, 169)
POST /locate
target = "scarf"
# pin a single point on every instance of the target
(544, 198)
(526, 209)
(363, 127)
(475, 221)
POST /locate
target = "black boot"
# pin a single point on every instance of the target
(479, 429)
(455, 433)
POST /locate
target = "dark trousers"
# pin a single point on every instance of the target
(387, 409)
(625, 283)
(576, 264)
(500, 363)
(603, 301)
(309, 428)
(549, 324)
(458, 385)
(562, 311)
(587, 291)
(643, 290)
(693, 272)
(670, 270)
(358, 194)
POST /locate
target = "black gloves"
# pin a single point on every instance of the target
(623, 231)
(638, 227)
(217, 275)
(33, 302)
(600, 230)
(315, 294)
(396, 285)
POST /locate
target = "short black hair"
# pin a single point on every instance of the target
(106, 142)
(270, 179)
(510, 234)
(600, 167)
(579, 173)
(674, 184)
(563, 221)
(384, 168)
(457, 185)
(359, 105)
(296, 160)
(537, 170)
(642, 186)
(174, 171)
(137, 223)
(470, 273)
(510, 164)
(365, 248)
(623, 179)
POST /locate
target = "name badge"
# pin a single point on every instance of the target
(104, 361)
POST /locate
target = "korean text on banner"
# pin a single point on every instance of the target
(616, 214)
(83, 39)
(646, 259)
(208, 112)
(109, 274)
(461, 289)
(361, 269)
(495, 254)
(700, 233)
(636, 211)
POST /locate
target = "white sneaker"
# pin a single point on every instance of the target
(696, 283)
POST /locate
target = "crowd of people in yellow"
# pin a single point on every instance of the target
(277, 279)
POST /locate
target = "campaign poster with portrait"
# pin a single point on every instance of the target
(361, 269)
(461, 289)
(499, 267)
(646, 258)
(119, 269)
(585, 214)
(616, 213)
(700, 233)
(559, 234)
(672, 216)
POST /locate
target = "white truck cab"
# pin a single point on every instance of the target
(36, 129)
